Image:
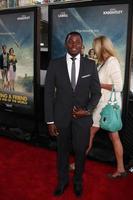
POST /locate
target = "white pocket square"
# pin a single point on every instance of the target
(85, 76)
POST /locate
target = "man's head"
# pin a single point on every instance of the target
(74, 43)
(4, 48)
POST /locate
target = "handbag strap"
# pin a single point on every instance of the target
(113, 91)
(100, 66)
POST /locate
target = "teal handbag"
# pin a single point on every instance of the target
(111, 115)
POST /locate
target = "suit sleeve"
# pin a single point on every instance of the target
(49, 93)
(95, 90)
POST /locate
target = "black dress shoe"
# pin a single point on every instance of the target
(60, 189)
(78, 189)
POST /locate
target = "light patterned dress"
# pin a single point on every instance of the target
(109, 73)
(11, 74)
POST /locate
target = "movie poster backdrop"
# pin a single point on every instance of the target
(131, 76)
(91, 19)
(17, 78)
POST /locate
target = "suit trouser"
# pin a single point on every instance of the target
(77, 131)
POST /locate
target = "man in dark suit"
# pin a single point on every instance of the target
(4, 66)
(70, 97)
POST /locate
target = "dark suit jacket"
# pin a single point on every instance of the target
(59, 95)
(1, 60)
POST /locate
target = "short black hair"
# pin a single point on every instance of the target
(73, 33)
(3, 46)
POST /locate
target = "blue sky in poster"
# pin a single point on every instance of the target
(91, 21)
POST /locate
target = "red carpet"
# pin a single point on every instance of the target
(29, 173)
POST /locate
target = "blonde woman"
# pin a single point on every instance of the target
(109, 75)
(11, 74)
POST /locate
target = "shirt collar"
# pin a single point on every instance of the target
(68, 56)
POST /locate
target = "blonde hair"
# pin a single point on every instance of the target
(101, 45)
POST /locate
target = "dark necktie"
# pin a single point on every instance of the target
(73, 74)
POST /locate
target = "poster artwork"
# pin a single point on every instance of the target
(16, 61)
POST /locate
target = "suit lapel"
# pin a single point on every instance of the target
(65, 72)
(80, 73)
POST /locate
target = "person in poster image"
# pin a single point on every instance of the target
(91, 54)
(11, 73)
(68, 110)
(3, 67)
(109, 75)
(83, 51)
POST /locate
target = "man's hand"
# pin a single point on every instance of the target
(53, 131)
(79, 112)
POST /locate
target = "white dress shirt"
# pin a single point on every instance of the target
(69, 65)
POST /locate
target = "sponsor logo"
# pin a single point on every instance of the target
(23, 17)
(62, 15)
(112, 11)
